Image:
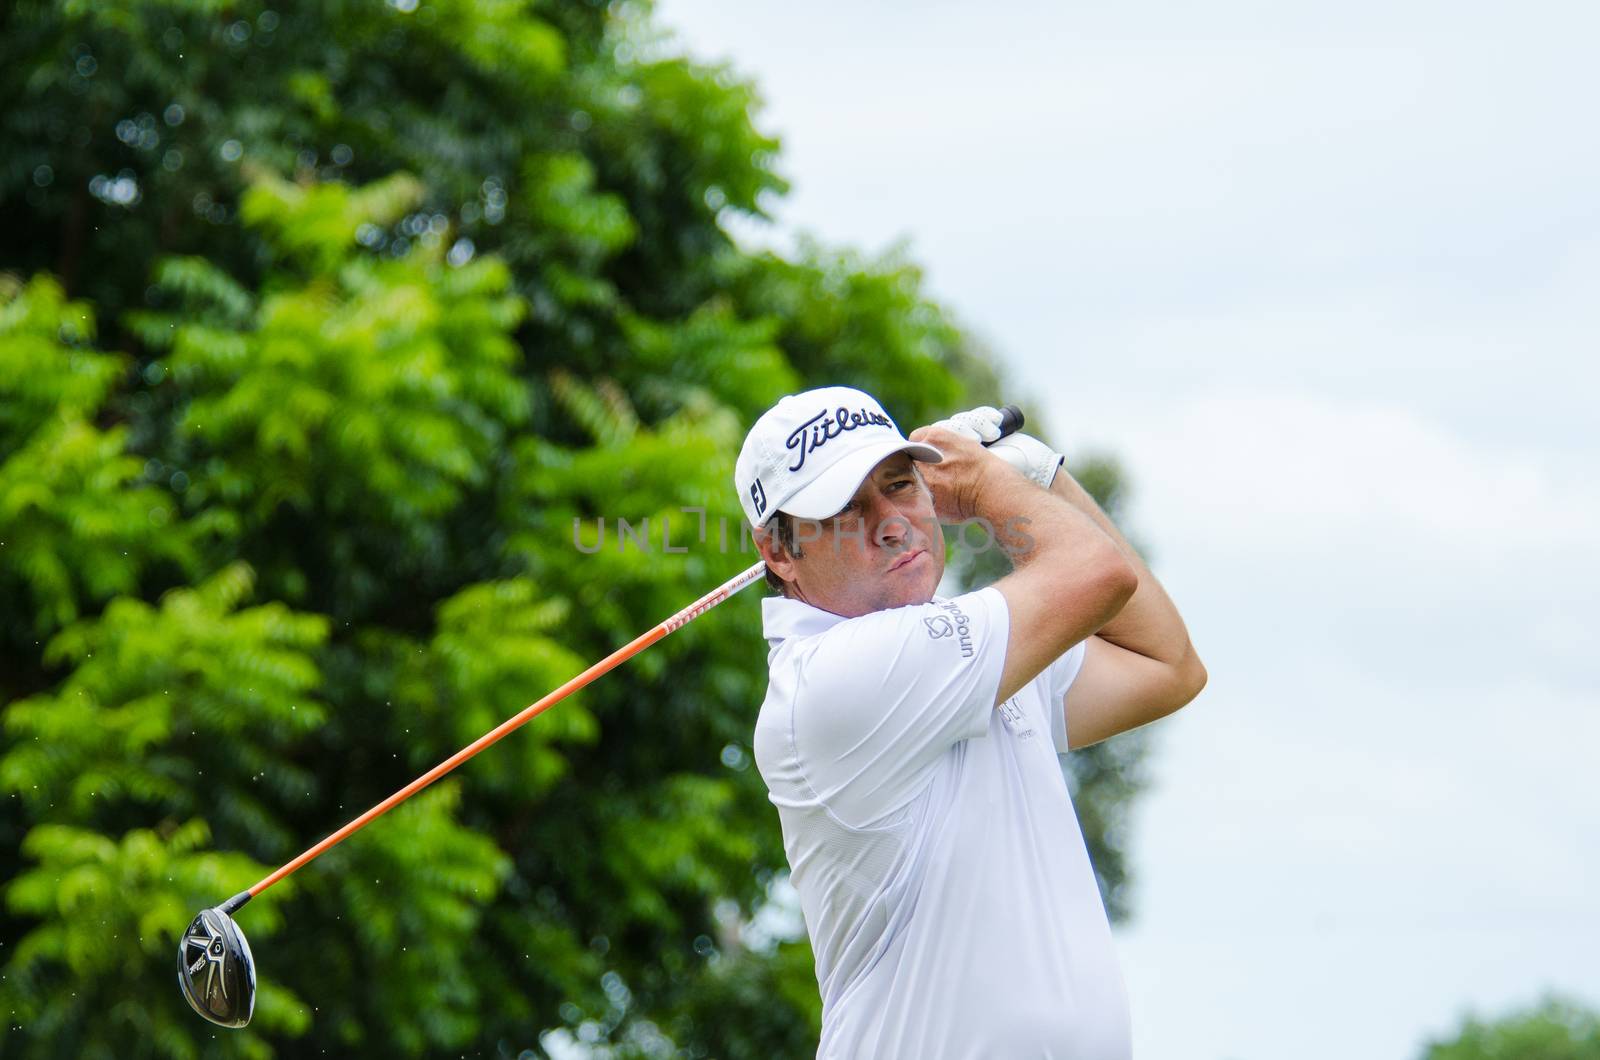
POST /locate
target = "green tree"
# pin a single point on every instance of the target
(1555, 1029)
(391, 299)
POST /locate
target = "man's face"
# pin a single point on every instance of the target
(884, 549)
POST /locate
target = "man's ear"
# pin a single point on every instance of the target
(776, 556)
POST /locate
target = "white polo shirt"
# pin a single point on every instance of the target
(944, 882)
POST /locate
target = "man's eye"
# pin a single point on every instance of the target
(900, 483)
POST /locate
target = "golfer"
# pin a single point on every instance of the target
(910, 741)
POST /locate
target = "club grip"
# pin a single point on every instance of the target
(1011, 420)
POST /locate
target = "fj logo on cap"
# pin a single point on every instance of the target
(814, 433)
(758, 495)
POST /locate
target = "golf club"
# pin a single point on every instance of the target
(216, 971)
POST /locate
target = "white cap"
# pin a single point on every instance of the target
(809, 453)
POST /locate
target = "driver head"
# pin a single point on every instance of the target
(215, 969)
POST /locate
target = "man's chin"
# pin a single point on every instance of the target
(919, 591)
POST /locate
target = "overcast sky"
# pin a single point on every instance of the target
(1327, 279)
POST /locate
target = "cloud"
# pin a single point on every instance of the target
(1259, 472)
(1287, 520)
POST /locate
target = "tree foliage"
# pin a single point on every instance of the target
(1555, 1029)
(322, 332)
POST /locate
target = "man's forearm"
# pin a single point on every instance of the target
(1149, 622)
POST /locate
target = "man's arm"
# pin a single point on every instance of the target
(1070, 578)
(1140, 665)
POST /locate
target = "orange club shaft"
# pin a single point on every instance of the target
(510, 725)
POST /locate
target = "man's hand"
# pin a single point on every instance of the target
(1037, 461)
(956, 482)
(981, 424)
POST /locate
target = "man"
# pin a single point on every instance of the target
(909, 742)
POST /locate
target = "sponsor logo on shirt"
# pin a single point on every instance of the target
(954, 623)
(1012, 714)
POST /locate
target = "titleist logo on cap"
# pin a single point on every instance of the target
(776, 470)
(814, 433)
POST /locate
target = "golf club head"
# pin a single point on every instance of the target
(215, 969)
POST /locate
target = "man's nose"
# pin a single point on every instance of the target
(893, 528)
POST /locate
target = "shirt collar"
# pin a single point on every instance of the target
(782, 618)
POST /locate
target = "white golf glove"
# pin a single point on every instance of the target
(1037, 461)
(981, 424)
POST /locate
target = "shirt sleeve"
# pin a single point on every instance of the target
(1059, 676)
(885, 695)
